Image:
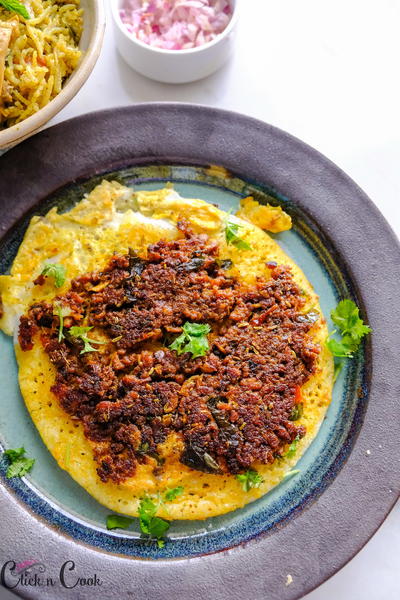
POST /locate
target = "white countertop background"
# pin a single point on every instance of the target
(328, 73)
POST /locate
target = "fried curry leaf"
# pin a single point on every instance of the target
(15, 6)
(57, 271)
(20, 465)
(346, 317)
(250, 479)
(192, 265)
(81, 333)
(150, 525)
(224, 263)
(118, 522)
(297, 412)
(193, 340)
(227, 429)
(210, 462)
(171, 495)
(196, 458)
(136, 265)
(232, 235)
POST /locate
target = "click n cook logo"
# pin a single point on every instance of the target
(32, 573)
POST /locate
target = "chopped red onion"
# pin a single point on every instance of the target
(176, 24)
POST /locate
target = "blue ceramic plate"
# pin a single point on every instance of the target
(48, 494)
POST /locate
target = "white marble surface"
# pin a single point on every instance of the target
(327, 72)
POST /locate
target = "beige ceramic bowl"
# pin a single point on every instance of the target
(91, 42)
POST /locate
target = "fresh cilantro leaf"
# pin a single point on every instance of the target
(150, 525)
(16, 7)
(61, 312)
(57, 271)
(291, 473)
(147, 510)
(193, 339)
(232, 237)
(143, 448)
(158, 527)
(13, 454)
(343, 348)
(359, 330)
(20, 465)
(346, 317)
(292, 448)
(338, 369)
(118, 522)
(171, 495)
(196, 329)
(250, 479)
(81, 333)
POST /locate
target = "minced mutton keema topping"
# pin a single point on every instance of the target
(231, 407)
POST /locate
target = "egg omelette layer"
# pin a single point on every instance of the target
(134, 417)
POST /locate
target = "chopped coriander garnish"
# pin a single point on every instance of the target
(118, 522)
(343, 348)
(61, 312)
(250, 479)
(20, 465)
(346, 316)
(338, 369)
(193, 339)
(292, 448)
(15, 6)
(57, 271)
(81, 333)
(171, 495)
(232, 237)
(14, 453)
(150, 525)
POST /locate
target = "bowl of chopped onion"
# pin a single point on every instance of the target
(175, 41)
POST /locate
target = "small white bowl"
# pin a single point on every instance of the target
(90, 44)
(174, 66)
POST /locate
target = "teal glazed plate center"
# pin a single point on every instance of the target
(75, 511)
(310, 524)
